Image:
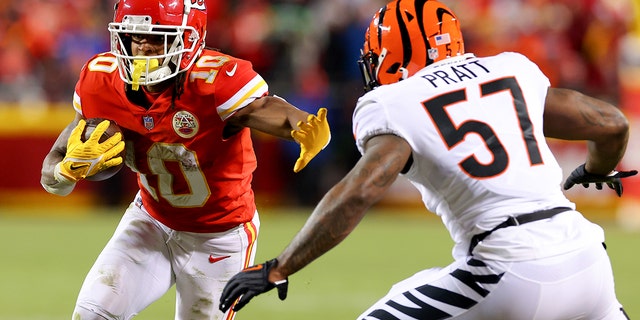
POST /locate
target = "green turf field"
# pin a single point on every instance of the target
(45, 258)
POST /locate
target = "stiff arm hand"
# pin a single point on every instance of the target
(249, 283)
(313, 136)
(612, 180)
(87, 158)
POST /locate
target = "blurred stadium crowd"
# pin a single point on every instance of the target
(307, 52)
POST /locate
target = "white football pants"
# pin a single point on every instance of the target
(577, 285)
(144, 258)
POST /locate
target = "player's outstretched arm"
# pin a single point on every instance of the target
(271, 115)
(275, 116)
(571, 115)
(337, 214)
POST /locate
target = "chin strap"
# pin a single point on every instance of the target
(62, 187)
(161, 72)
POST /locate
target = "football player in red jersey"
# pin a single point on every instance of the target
(186, 114)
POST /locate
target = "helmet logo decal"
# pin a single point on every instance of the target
(433, 53)
(185, 124)
(198, 4)
(442, 39)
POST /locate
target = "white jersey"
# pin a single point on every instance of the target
(479, 152)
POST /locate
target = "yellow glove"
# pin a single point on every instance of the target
(312, 136)
(87, 158)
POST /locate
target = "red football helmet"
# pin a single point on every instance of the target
(181, 23)
(406, 36)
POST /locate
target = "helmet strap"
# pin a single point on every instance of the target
(159, 73)
(405, 73)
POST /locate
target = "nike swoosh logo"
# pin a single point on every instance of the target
(77, 166)
(233, 71)
(213, 259)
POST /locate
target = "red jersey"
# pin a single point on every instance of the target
(191, 177)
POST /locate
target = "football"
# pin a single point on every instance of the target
(113, 128)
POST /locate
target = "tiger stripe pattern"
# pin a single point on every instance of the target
(430, 302)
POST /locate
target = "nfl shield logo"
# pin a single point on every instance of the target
(148, 122)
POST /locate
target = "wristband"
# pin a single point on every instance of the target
(63, 186)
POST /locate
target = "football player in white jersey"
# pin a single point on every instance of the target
(469, 133)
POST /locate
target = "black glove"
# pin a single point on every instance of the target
(581, 176)
(249, 283)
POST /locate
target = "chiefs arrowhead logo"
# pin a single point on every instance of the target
(185, 124)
